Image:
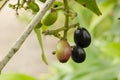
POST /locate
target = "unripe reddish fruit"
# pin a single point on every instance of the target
(63, 51)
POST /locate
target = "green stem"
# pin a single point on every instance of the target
(58, 8)
(53, 32)
(18, 3)
(66, 18)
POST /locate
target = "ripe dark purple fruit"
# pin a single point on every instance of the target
(82, 37)
(78, 54)
(63, 51)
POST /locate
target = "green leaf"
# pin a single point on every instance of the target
(37, 29)
(112, 49)
(103, 26)
(90, 4)
(106, 8)
(110, 71)
(15, 76)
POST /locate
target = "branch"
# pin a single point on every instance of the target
(4, 4)
(53, 32)
(66, 17)
(18, 43)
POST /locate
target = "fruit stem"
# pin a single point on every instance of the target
(58, 8)
(18, 3)
(66, 18)
(53, 32)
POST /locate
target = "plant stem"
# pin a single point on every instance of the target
(66, 18)
(4, 4)
(53, 32)
(18, 3)
(18, 43)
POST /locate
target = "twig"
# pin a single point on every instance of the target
(52, 32)
(4, 4)
(18, 4)
(18, 43)
(66, 17)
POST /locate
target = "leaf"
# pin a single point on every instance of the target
(37, 29)
(106, 8)
(112, 49)
(109, 73)
(103, 26)
(15, 76)
(90, 4)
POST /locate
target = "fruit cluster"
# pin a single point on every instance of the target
(63, 51)
(82, 40)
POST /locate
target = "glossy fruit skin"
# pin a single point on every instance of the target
(63, 51)
(78, 54)
(82, 37)
(50, 18)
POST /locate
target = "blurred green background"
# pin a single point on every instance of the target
(103, 55)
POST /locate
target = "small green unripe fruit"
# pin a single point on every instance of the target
(33, 6)
(42, 1)
(50, 18)
(57, 4)
(63, 51)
